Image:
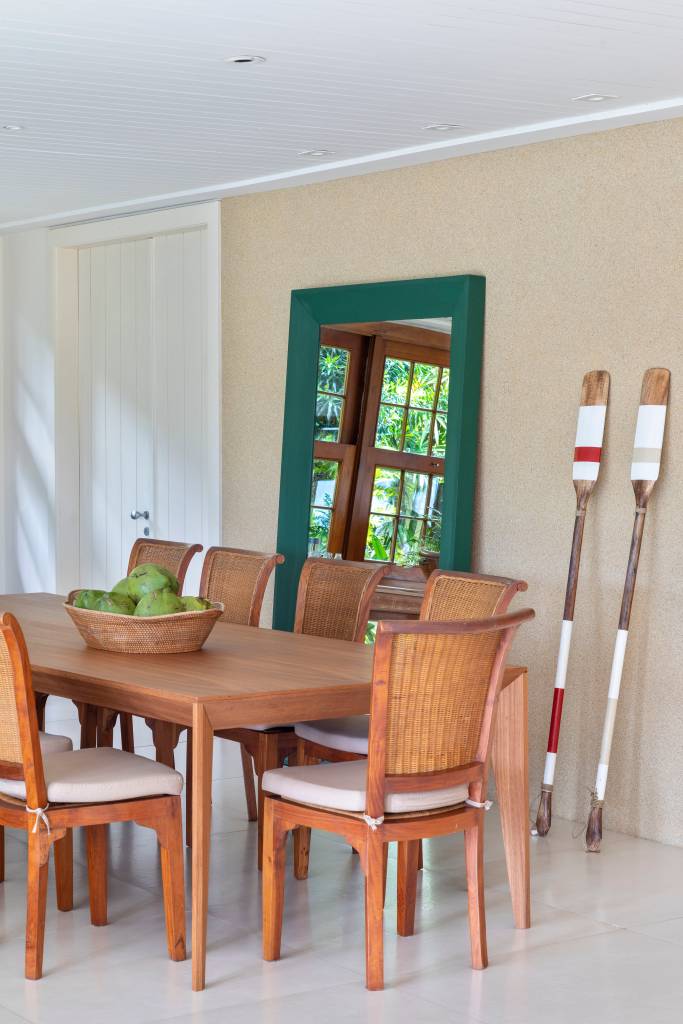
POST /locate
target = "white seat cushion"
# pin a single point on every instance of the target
(95, 776)
(341, 786)
(347, 734)
(264, 728)
(53, 744)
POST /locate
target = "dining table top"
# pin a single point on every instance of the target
(244, 675)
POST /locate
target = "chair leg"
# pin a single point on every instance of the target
(420, 858)
(106, 720)
(408, 862)
(170, 835)
(2, 853)
(87, 716)
(36, 900)
(127, 739)
(249, 790)
(267, 757)
(302, 836)
(188, 790)
(273, 881)
(474, 863)
(64, 871)
(374, 909)
(96, 843)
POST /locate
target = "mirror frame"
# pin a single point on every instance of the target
(460, 297)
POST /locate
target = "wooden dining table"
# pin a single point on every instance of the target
(242, 676)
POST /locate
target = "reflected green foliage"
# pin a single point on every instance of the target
(423, 388)
(380, 538)
(439, 442)
(333, 365)
(385, 490)
(415, 491)
(328, 416)
(370, 632)
(395, 381)
(319, 531)
(324, 482)
(389, 428)
(408, 541)
(443, 390)
(418, 429)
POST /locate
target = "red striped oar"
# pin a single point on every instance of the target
(647, 450)
(587, 452)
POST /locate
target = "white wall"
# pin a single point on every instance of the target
(27, 454)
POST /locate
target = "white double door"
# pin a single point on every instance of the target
(144, 454)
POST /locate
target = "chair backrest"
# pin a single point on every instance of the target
(174, 555)
(467, 595)
(20, 756)
(334, 597)
(239, 579)
(435, 686)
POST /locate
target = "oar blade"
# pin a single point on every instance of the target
(590, 428)
(647, 446)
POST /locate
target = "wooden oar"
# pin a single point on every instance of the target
(647, 450)
(587, 452)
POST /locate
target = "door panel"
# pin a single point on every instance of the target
(142, 408)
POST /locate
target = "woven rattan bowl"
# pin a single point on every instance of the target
(154, 634)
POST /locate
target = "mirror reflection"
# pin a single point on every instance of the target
(380, 442)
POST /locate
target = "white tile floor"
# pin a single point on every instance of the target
(605, 947)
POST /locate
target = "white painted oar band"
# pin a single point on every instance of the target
(549, 770)
(563, 655)
(647, 447)
(611, 712)
(601, 781)
(590, 429)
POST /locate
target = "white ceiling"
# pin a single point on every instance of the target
(129, 104)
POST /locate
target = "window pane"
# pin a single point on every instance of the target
(385, 489)
(324, 483)
(439, 446)
(328, 416)
(380, 536)
(415, 490)
(432, 538)
(417, 432)
(436, 498)
(319, 531)
(443, 390)
(333, 364)
(423, 388)
(395, 381)
(408, 542)
(389, 428)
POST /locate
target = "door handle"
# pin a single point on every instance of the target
(139, 515)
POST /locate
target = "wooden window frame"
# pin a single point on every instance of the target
(460, 297)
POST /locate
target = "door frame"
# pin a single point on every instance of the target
(460, 297)
(65, 243)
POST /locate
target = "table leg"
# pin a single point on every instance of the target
(202, 764)
(510, 759)
(87, 716)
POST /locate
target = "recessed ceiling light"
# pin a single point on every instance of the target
(441, 127)
(594, 97)
(12, 127)
(245, 58)
(315, 152)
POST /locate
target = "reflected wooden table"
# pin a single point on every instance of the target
(242, 676)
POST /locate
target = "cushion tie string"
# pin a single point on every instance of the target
(373, 823)
(40, 816)
(487, 804)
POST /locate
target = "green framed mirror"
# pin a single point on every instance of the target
(459, 298)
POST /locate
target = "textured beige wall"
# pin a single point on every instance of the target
(580, 243)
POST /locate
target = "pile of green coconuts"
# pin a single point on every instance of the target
(149, 590)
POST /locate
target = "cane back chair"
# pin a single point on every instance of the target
(174, 555)
(434, 694)
(448, 596)
(82, 788)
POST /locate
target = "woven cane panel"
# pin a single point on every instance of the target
(333, 598)
(169, 556)
(232, 579)
(437, 695)
(457, 597)
(10, 742)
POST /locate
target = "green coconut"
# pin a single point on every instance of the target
(159, 602)
(195, 604)
(148, 577)
(115, 604)
(88, 599)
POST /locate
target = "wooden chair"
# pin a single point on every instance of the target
(434, 694)
(83, 788)
(333, 600)
(175, 556)
(447, 596)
